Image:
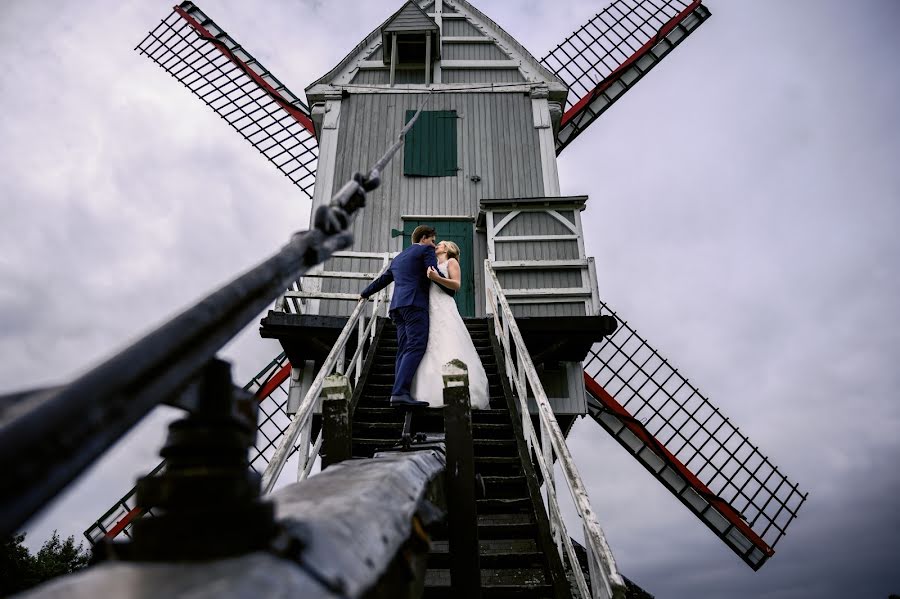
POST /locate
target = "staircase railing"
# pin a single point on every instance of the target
(605, 580)
(334, 364)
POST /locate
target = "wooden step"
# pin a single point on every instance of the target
(497, 465)
(428, 424)
(495, 583)
(483, 447)
(519, 525)
(371, 413)
(493, 554)
(506, 505)
(506, 526)
(504, 486)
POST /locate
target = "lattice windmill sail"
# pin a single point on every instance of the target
(219, 71)
(498, 196)
(610, 53)
(689, 445)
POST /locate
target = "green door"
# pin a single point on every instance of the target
(460, 233)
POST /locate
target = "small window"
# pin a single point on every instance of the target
(430, 147)
(411, 49)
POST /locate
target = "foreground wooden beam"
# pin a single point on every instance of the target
(355, 530)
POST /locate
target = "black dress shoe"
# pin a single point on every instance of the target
(405, 401)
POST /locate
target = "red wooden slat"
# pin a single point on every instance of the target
(576, 108)
(298, 115)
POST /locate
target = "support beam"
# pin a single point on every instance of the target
(393, 57)
(337, 436)
(427, 58)
(462, 519)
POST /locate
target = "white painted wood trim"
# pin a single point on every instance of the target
(558, 292)
(608, 582)
(595, 291)
(537, 264)
(393, 57)
(336, 274)
(375, 255)
(566, 222)
(575, 376)
(547, 301)
(539, 116)
(547, 144)
(322, 295)
(418, 88)
(324, 187)
(489, 218)
(578, 224)
(537, 238)
(446, 15)
(480, 64)
(506, 220)
(464, 217)
(439, 20)
(428, 57)
(346, 75)
(468, 39)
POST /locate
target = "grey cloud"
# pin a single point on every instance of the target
(742, 214)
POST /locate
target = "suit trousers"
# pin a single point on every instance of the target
(412, 339)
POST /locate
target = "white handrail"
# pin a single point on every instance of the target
(305, 409)
(606, 582)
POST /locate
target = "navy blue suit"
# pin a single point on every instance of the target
(409, 309)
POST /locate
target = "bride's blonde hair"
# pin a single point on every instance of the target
(452, 249)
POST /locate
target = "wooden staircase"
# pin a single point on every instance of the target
(517, 556)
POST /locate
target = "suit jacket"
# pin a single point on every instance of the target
(407, 273)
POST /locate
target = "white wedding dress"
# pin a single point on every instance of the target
(448, 338)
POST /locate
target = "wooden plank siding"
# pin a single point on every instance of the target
(383, 77)
(538, 254)
(472, 51)
(496, 141)
(460, 28)
(376, 54)
(482, 76)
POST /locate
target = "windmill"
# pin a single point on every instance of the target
(480, 165)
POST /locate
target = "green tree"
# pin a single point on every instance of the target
(19, 570)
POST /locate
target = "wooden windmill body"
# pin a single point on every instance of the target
(481, 167)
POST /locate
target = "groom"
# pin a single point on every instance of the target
(409, 309)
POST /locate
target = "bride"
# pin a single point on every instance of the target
(448, 337)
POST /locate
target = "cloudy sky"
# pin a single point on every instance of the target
(744, 202)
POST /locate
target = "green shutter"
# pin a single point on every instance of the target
(430, 147)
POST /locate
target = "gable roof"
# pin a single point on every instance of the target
(506, 37)
(409, 18)
(369, 45)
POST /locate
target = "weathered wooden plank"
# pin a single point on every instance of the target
(355, 516)
(462, 518)
(336, 426)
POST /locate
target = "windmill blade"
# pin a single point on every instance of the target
(610, 53)
(689, 445)
(197, 52)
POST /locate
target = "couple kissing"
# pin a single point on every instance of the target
(430, 330)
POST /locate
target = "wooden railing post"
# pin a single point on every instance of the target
(462, 518)
(337, 436)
